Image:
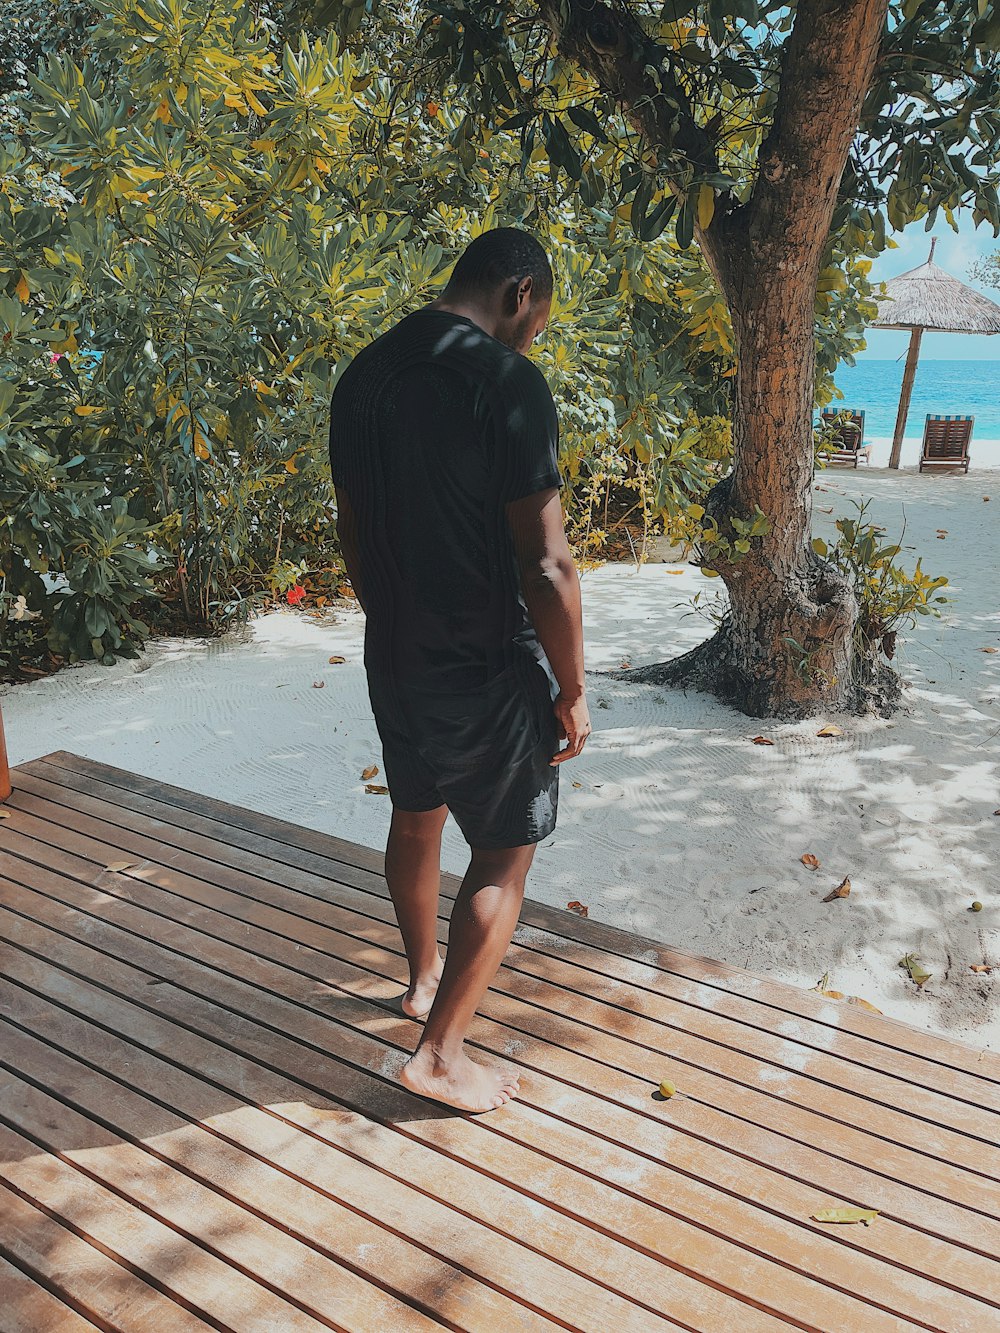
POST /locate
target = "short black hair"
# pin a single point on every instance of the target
(496, 256)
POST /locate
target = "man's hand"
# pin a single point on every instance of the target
(573, 717)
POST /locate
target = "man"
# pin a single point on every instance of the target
(443, 443)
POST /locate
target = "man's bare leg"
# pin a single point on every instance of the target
(413, 874)
(482, 923)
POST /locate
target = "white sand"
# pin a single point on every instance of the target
(682, 829)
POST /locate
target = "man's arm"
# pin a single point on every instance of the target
(550, 586)
(347, 535)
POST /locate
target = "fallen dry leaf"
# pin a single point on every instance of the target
(841, 891)
(625, 664)
(980, 967)
(810, 861)
(319, 684)
(831, 730)
(986, 497)
(918, 974)
(989, 650)
(675, 571)
(846, 1214)
(856, 999)
(122, 865)
(373, 789)
(577, 784)
(4, 814)
(336, 661)
(762, 740)
(578, 908)
(370, 772)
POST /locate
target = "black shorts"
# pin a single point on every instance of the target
(484, 753)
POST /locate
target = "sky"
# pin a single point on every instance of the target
(956, 252)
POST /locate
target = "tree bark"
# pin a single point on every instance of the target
(786, 646)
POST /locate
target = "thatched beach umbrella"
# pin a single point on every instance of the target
(928, 298)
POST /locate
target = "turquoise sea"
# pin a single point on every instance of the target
(948, 387)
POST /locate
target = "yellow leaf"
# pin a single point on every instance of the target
(290, 465)
(200, 445)
(162, 112)
(831, 730)
(846, 1214)
(263, 145)
(84, 411)
(255, 103)
(706, 206)
(22, 288)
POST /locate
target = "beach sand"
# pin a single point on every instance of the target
(672, 823)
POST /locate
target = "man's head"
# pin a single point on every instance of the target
(506, 274)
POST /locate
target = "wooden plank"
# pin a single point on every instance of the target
(916, 1252)
(197, 1281)
(789, 1293)
(651, 958)
(963, 1103)
(783, 1098)
(305, 1220)
(28, 1307)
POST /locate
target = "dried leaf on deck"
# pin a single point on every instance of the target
(862, 1004)
(842, 890)
(809, 861)
(846, 1214)
(373, 789)
(4, 814)
(762, 740)
(831, 730)
(122, 865)
(578, 908)
(370, 772)
(336, 661)
(918, 974)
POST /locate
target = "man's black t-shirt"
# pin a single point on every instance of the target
(434, 428)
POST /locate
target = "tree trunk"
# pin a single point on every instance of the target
(785, 648)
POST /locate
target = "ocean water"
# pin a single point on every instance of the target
(969, 388)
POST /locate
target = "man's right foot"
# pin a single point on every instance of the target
(462, 1083)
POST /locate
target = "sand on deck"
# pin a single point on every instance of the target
(672, 823)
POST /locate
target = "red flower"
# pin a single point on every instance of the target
(295, 594)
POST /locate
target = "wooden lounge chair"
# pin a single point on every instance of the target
(846, 429)
(946, 442)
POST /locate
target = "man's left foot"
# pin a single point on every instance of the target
(418, 999)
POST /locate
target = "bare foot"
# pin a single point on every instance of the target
(417, 1001)
(461, 1083)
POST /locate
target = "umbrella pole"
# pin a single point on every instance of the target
(909, 374)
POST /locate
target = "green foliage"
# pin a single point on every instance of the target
(889, 599)
(201, 224)
(926, 143)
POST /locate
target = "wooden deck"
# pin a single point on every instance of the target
(200, 1127)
